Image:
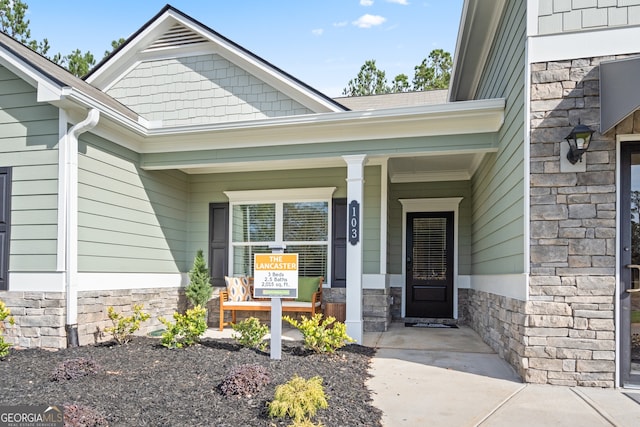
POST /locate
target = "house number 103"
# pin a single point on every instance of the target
(354, 222)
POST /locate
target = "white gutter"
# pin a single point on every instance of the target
(71, 223)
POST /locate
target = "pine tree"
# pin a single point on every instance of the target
(199, 290)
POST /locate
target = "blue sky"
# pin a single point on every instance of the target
(321, 42)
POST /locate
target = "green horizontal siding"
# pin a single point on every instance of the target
(28, 143)
(129, 219)
(420, 190)
(498, 185)
(371, 220)
(34, 232)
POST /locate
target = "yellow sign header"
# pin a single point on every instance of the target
(276, 262)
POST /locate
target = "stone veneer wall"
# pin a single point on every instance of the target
(569, 338)
(500, 322)
(376, 309)
(92, 309)
(40, 316)
(39, 319)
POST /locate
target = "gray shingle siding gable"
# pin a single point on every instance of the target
(198, 90)
(557, 16)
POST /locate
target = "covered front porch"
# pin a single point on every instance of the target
(363, 175)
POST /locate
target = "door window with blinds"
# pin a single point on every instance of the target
(430, 248)
(302, 226)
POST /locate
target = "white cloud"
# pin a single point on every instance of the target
(368, 21)
(402, 2)
(340, 24)
(317, 31)
(366, 2)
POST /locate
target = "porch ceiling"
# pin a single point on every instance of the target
(449, 167)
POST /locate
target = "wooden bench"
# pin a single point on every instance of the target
(264, 304)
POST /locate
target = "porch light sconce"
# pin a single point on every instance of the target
(578, 140)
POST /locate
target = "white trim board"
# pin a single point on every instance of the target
(506, 285)
(296, 194)
(584, 44)
(112, 281)
(374, 281)
(54, 282)
(36, 282)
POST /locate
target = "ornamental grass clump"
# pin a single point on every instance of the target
(124, 327)
(5, 315)
(187, 329)
(250, 333)
(245, 380)
(321, 336)
(298, 399)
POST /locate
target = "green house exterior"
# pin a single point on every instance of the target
(458, 209)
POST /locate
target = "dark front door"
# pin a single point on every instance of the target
(429, 261)
(629, 289)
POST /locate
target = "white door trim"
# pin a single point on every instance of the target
(450, 204)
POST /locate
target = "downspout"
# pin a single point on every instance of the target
(71, 219)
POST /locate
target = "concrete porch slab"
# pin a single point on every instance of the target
(461, 339)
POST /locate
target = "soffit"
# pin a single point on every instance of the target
(478, 25)
(449, 167)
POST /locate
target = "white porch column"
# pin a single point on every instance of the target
(355, 192)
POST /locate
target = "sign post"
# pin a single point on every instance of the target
(275, 276)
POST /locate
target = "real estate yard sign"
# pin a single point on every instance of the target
(275, 276)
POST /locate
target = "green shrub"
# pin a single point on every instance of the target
(187, 329)
(199, 289)
(5, 314)
(124, 327)
(250, 333)
(245, 380)
(298, 399)
(321, 336)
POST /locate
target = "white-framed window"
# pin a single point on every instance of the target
(300, 219)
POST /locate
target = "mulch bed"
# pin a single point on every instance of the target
(144, 384)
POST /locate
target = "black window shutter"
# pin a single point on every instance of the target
(5, 224)
(339, 244)
(218, 242)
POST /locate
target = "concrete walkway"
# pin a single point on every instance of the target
(449, 377)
